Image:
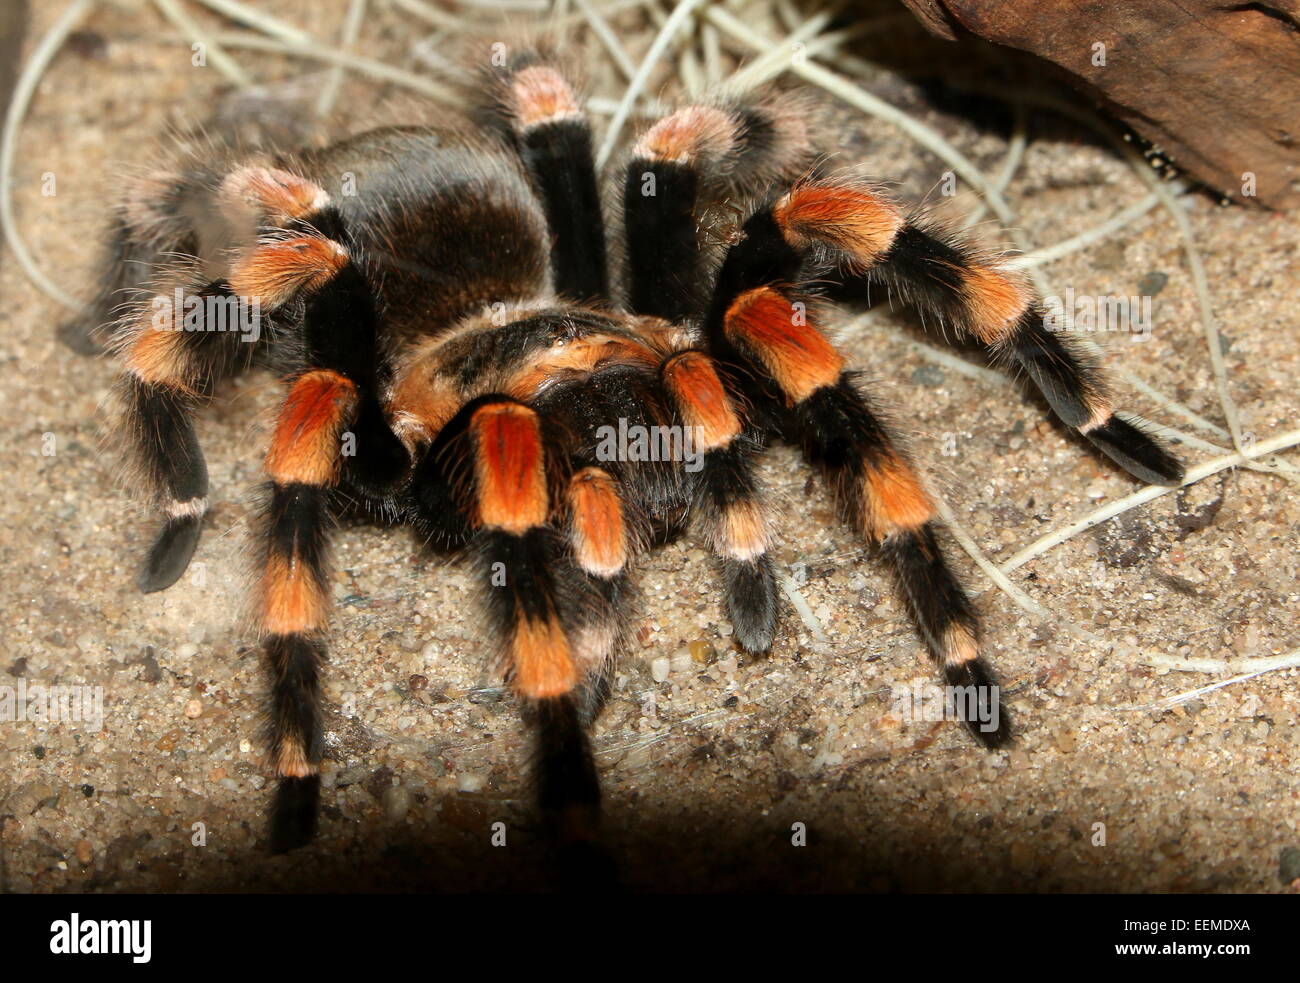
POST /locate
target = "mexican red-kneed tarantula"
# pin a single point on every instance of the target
(440, 310)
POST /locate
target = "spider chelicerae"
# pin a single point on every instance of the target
(438, 303)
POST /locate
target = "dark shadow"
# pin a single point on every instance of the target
(692, 852)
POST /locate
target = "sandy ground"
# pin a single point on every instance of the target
(705, 773)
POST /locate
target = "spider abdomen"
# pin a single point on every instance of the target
(444, 229)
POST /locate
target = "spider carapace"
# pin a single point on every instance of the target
(438, 303)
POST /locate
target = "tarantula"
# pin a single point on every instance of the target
(439, 305)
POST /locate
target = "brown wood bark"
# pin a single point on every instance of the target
(1216, 85)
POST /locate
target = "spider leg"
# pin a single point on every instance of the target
(189, 207)
(600, 539)
(149, 224)
(122, 256)
(339, 329)
(552, 135)
(724, 154)
(172, 361)
(171, 369)
(951, 280)
(886, 503)
(303, 464)
(517, 548)
(552, 560)
(728, 504)
(763, 325)
(177, 346)
(336, 389)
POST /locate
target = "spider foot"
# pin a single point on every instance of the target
(293, 815)
(1136, 452)
(170, 554)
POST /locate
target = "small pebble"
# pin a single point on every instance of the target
(397, 801)
(245, 746)
(1288, 865)
(168, 741)
(469, 783)
(85, 852)
(418, 683)
(152, 671)
(187, 651)
(193, 709)
(659, 669)
(702, 652)
(1152, 283)
(88, 44)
